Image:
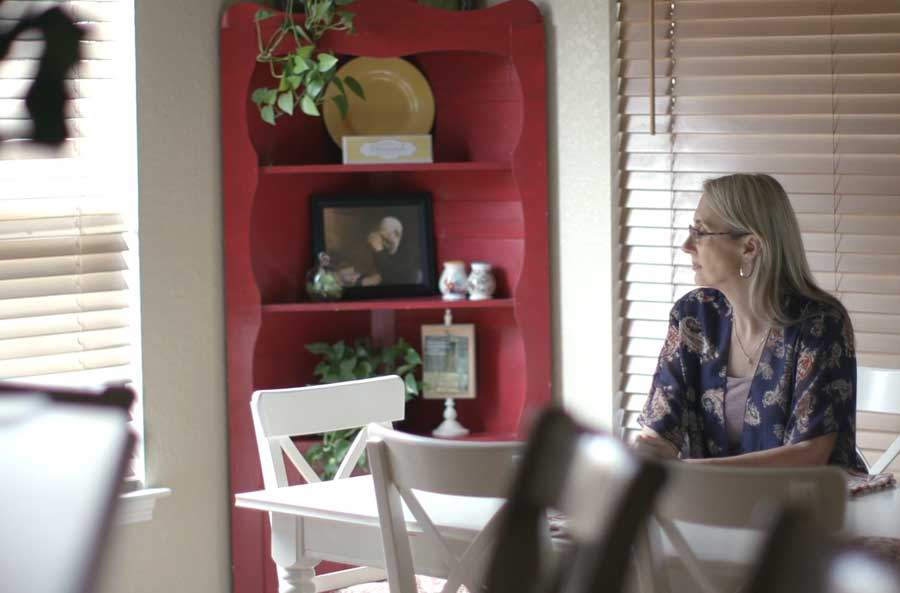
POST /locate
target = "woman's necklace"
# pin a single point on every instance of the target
(741, 344)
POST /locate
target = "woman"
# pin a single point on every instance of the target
(758, 367)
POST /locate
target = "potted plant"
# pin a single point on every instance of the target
(361, 360)
(302, 74)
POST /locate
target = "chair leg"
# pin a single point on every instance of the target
(298, 578)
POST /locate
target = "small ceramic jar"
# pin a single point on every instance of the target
(481, 281)
(452, 282)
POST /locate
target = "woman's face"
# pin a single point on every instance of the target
(715, 259)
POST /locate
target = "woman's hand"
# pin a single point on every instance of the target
(651, 443)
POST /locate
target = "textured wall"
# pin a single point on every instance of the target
(583, 228)
(185, 548)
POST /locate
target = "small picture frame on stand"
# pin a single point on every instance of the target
(448, 370)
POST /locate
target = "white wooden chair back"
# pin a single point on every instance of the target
(698, 497)
(878, 390)
(279, 414)
(402, 463)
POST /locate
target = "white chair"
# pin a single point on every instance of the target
(878, 390)
(712, 518)
(403, 463)
(279, 414)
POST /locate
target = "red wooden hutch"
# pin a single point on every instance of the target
(489, 190)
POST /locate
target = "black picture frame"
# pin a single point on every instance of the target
(380, 245)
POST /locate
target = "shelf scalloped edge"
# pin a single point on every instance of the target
(423, 303)
(384, 167)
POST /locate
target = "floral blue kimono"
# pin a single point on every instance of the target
(804, 385)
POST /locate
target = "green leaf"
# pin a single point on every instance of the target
(321, 368)
(294, 82)
(364, 370)
(346, 18)
(331, 378)
(341, 102)
(339, 347)
(300, 65)
(271, 96)
(405, 368)
(262, 15)
(326, 62)
(283, 86)
(259, 95)
(339, 84)
(347, 366)
(267, 112)
(305, 52)
(412, 388)
(319, 348)
(309, 106)
(355, 86)
(314, 85)
(286, 102)
(343, 3)
(412, 357)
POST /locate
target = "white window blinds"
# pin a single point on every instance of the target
(805, 90)
(66, 218)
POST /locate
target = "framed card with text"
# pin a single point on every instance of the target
(448, 361)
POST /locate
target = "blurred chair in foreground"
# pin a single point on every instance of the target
(800, 556)
(711, 517)
(437, 469)
(604, 491)
(64, 456)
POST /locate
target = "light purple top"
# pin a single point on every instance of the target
(737, 390)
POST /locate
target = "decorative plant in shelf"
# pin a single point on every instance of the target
(304, 72)
(361, 360)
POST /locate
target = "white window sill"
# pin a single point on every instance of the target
(137, 506)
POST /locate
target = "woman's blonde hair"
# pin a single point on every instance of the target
(757, 204)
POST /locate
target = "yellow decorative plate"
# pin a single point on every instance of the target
(398, 100)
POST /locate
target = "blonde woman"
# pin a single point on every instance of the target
(758, 367)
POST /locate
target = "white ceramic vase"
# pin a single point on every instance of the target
(452, 283)
(481, 282)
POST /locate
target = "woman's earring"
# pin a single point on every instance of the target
(741, 270)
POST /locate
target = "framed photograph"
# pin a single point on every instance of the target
(380, 245)
(448, 361)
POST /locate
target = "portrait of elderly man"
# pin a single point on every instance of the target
(375, 248)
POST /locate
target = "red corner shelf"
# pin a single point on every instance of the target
(486, 69)
(424, 303)
(341, 169)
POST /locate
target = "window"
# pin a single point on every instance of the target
(68, 261)
(806, 90)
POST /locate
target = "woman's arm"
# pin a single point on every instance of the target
(815, 451)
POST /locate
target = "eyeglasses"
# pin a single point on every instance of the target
(696, 234)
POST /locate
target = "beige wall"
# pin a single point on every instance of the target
(185, 549)
(583, 228)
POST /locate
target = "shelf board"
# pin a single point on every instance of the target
(378, 168)
(423, 303)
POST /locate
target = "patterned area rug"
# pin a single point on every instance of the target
(423, 585)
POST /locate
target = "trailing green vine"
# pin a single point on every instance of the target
(303, 73)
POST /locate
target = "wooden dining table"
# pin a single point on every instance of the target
(338, 521)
